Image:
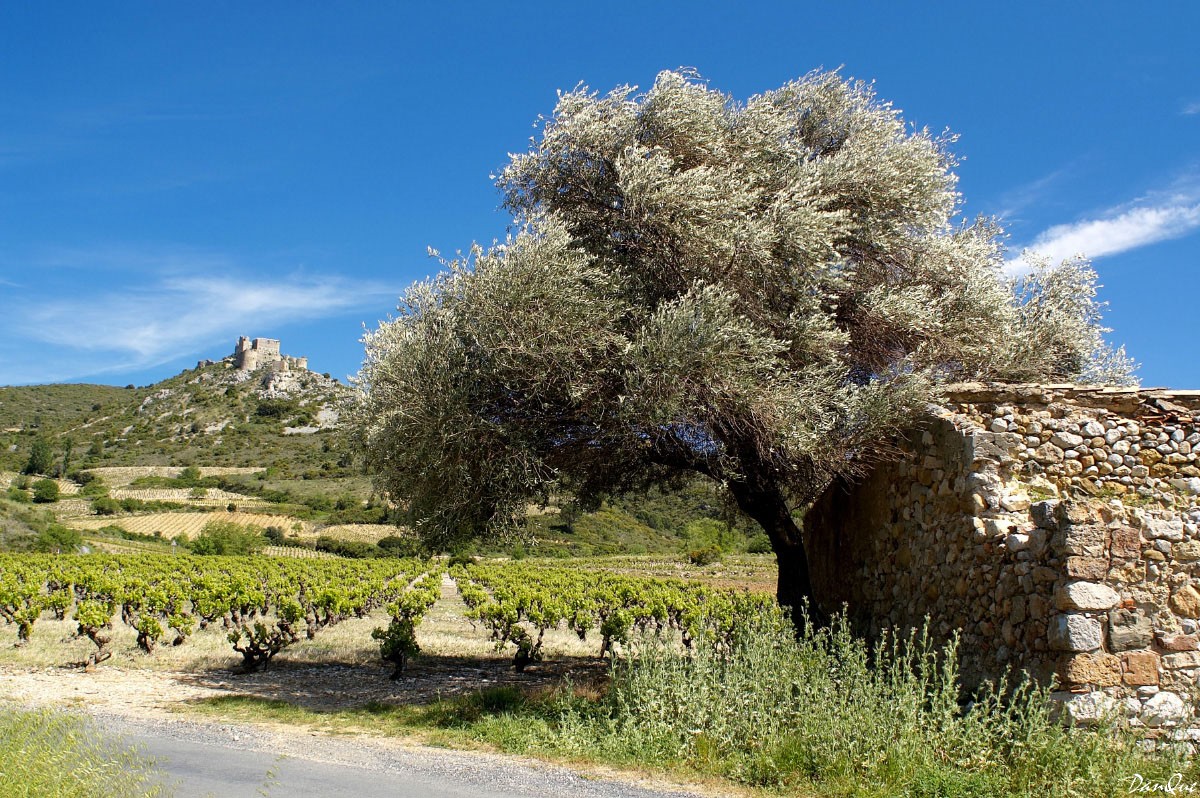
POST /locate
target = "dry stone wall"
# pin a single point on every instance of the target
(1056, 529)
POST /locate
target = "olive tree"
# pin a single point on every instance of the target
(757, 292)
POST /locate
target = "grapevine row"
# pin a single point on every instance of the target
(264, 604)
(519, 602)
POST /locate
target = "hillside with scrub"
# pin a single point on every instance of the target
(268, 448)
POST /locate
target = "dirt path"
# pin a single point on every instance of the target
(150, 706)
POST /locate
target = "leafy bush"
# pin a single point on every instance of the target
(94, 488)
(273, 408)
(58, 539)
(358, 514)
(106, 506)
(82, 478)
(758, 544)
(705, 556)
(709, 533)
(18, 495)
(396, 546)
(226, 537)
(189, 477)
(357, 549)
(45, 491)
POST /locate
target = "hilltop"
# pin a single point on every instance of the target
(268, 411)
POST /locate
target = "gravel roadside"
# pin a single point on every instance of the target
(202, 759)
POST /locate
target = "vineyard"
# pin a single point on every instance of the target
(520, 603)
(263, 605)
(190, 524)
(123, 475)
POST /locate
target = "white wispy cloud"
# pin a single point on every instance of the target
(1015, 200)
(1117, 230)
(1192, 108)
(174, 317)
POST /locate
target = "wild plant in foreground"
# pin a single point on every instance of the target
(43, 752)
(827, 711)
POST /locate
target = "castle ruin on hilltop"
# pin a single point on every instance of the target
(257, 353)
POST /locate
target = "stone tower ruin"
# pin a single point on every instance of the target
(257, 353)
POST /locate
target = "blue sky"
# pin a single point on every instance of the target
(173, 175)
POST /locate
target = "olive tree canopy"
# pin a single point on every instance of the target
(758, 292)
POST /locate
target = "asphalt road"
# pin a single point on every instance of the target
(200, 759)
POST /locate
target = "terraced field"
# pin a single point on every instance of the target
(190, 524)
(365, 533)
(65, 486)
(181, 495)
(119, 476)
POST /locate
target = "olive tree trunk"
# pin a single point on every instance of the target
(763, 501)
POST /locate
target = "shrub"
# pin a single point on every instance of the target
(188, 477)
(397, 546)
(758, 544)
(94, 488)
(106, 506)
(58, 539)
(18, 495)
(357, 549)
(705, 556)
(274, 535)
(226, 537)
(706, 533)
(276, 408)
(45, 491)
